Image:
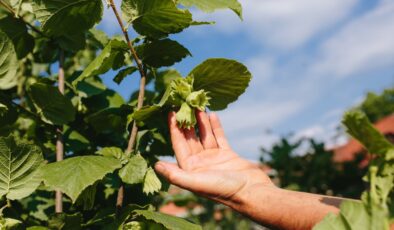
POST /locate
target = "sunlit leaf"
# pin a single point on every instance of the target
(60, 175)
(134, 171)
(169, 222)
(152, 183)
(67, 17)
(212, 5)
(155, 18)
(224, 80)
(8, 63)
(19, 171)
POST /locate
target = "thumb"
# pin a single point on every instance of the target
(174, 174)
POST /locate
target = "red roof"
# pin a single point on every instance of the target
(348, 151)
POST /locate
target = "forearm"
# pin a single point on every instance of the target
(283, 209)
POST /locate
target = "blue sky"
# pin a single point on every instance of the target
(310, 60)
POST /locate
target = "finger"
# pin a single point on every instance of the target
(178, 140)
(218, 131)
(204, 126)
(192, 140)
(174, 174)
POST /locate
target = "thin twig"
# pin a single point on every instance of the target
(17, 16)
(141, 94)
(59, 134)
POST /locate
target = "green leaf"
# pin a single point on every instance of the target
(99, 38)
(155, 18)
(169, 222)
(72, 42)
(8, 63)
(19, 174)
(164, 79)
(109, 120)
(224, 80)
(114, 152)
(159, 53)
(11, 224)
(52, 106)
(16, 30)
(67, 17)
(354, 215)
(212, 5)
(145, 112)
(122, 74)
(74, 141)
(63, 221)
(134, 171)
(3, 109)
(90, 87)
(112, 56)
(152, 183)
(360, 128)
(73, 175)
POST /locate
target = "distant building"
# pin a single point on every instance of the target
(350, 150)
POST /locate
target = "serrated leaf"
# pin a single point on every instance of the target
(169, 222)
(8, 63)
(16, 30)
(155, 18)
(111, 57)
(122, 74)
(360, 128)
(152, 183)
(73, 175)
(19, 171)
(67, 17)
(159, 53)
(212, 5)
(134, 171)
(114, 152)
(52, 106)
(224, 80)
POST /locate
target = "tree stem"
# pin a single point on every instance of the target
(141, 94)
(59, 134)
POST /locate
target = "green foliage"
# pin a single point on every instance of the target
(314, 170)
(8, 62)
(212, 5)
(162, 53)
(373, 212)
(19, 171)
(112, 56)
(51, 105)
(169, 222)
(224, 80)
(378, 106)
(67, 17)
(155, 18)
(41, 36)
(89, 169)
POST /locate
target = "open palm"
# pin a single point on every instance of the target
(206, 164)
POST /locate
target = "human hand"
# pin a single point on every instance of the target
(207, 165)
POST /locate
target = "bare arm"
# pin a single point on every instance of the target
(208, 166)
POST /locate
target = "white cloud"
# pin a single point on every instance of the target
(365, 44)
(283, 24)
